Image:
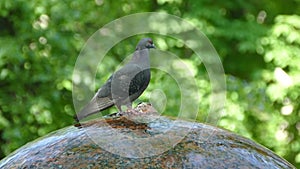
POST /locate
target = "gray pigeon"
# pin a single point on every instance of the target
(125, 85)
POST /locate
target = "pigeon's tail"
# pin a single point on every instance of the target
(94, 106)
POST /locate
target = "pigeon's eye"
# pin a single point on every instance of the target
(150, 41)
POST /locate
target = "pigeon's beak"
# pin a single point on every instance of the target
(152, 46)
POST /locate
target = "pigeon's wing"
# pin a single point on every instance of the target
(101, 101)
(122, 79)
(139, 84)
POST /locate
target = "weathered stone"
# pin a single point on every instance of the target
(117, 142)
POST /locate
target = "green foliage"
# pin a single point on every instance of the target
(282, 77)
(258, 43)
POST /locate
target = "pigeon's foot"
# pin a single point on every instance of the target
(143, 113)
(132, 112)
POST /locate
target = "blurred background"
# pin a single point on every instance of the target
(258, 43)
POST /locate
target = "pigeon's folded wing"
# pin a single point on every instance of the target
(120, 85)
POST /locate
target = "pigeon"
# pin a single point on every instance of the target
(125, 85)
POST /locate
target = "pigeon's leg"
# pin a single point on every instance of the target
(129, 106)
(119, 108)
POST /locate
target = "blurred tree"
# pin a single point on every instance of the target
(282, 77)
(258, 43)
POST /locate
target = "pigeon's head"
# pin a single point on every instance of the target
(145, 43)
